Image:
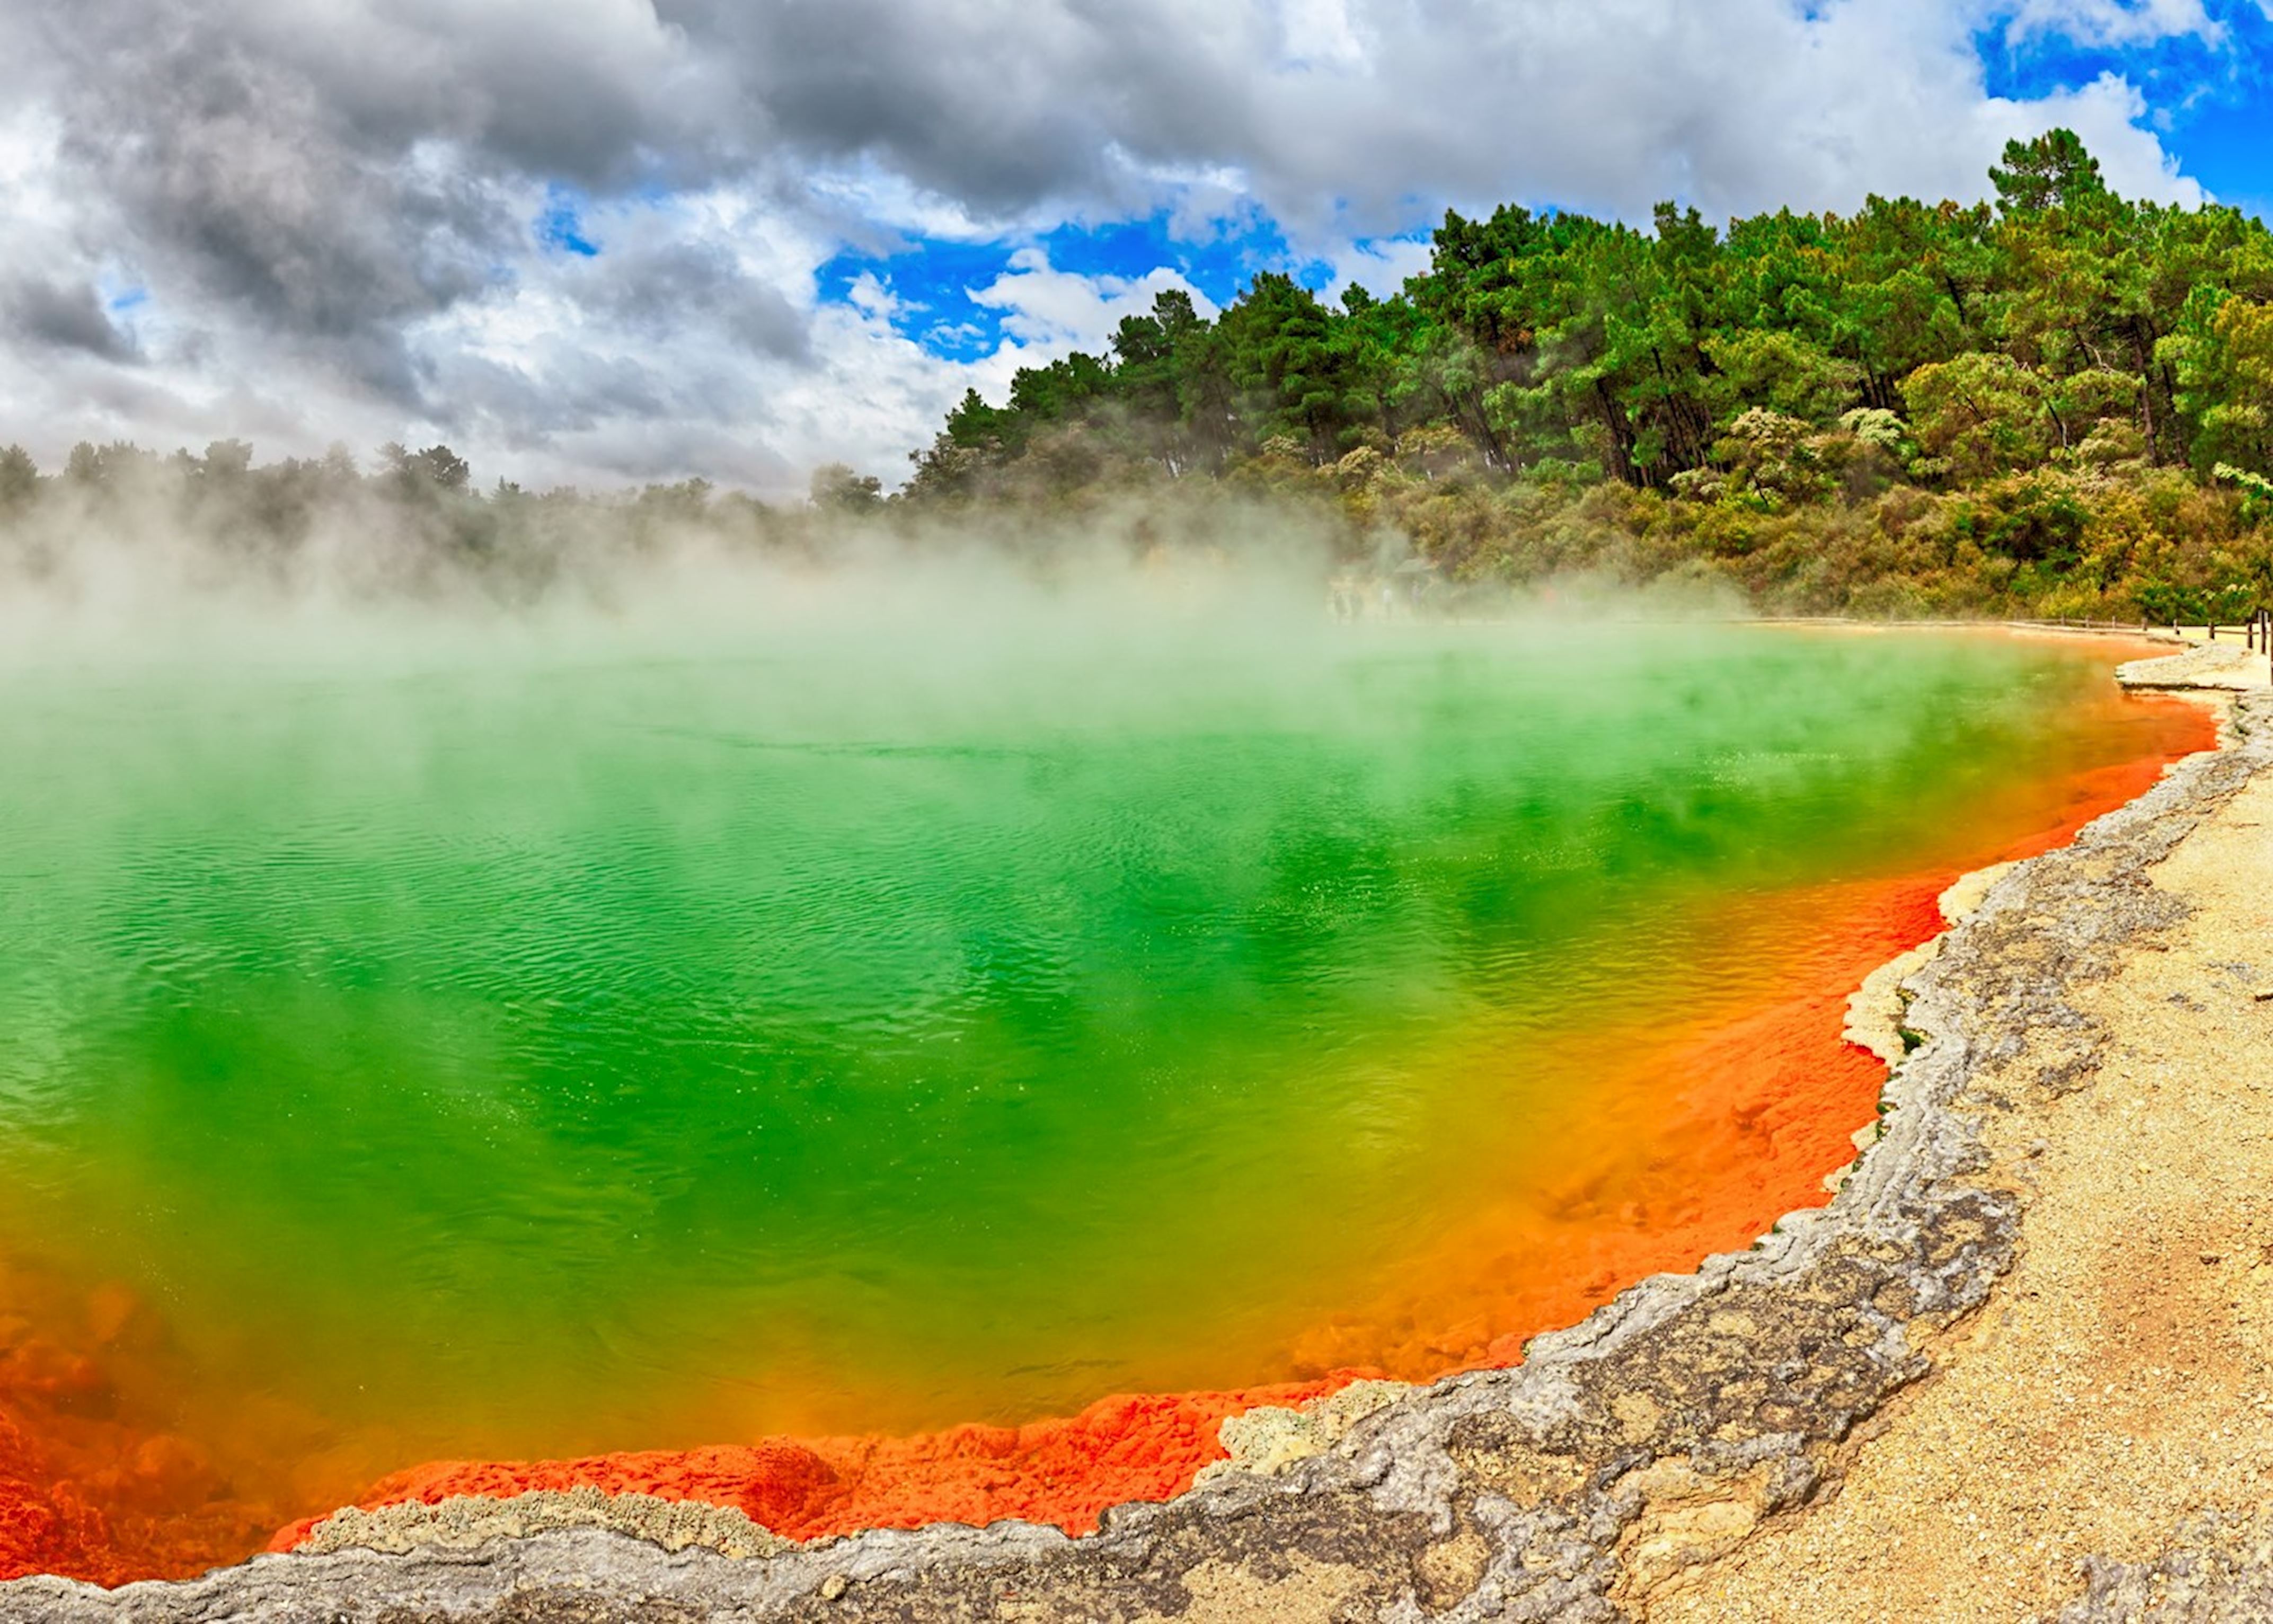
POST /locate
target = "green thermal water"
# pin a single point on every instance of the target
(582, 1043)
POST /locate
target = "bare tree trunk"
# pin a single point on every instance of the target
(1622, 434)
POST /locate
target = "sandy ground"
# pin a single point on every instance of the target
(2121, 1379)
(2222, 665)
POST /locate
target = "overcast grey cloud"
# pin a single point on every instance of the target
(65, 316)
(325, 219)
(655, 289)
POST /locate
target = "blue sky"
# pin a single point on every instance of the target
(2210, 101)
(934, 278)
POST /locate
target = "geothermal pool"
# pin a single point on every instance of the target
(533, 1047)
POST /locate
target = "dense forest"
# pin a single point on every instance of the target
(2059, 404)
(2056, 404)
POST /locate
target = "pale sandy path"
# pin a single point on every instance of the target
(2122, 1378)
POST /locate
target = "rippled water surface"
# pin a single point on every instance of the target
(544, 1047)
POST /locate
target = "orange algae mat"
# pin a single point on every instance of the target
(94, 1483)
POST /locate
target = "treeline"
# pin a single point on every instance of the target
(410, 520)
(2058, 402)
(405, 523)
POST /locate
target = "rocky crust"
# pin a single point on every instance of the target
(2230, 668)
(1653, 1437)
(467, 1522)
(2219, 1572)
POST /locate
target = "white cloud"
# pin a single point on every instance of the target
(2115, 22)
(2106, 114)
(1320, 33)
(1380, 266)
(1048, 312)
(871, 298)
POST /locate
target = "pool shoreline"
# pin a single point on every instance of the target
(1668, 1423)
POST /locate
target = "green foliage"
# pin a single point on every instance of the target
(19, 478)
(1782, 372)
(838, 488)
(2256, 491)
(2064, 325)
(1919, 408)
(2221, 356)
(2053, 171)
(436, 467)
(112, 469)
(1979, 414)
